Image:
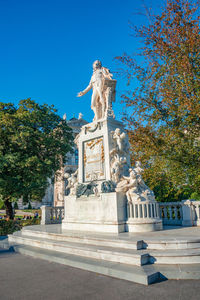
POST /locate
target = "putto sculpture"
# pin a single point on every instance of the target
(134, 186)
(103, 95)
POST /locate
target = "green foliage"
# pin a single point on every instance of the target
(10, 226)
(29, 206)
(15, 205)
(2, 206)
(34, 140)
(164, 110)
(195, 196)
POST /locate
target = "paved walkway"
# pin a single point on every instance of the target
(26, 278)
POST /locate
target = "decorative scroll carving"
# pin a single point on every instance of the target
(92, 129)
(87, 189)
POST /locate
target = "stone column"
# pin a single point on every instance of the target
(188, 213)
(46, 215)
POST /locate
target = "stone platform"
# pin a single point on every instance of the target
(173, 253)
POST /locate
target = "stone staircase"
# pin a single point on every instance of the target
(141, 261)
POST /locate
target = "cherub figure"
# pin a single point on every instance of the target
(129, 185)
(72, 182)
(120, 139)
(117, 164)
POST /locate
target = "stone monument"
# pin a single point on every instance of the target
(105, 186)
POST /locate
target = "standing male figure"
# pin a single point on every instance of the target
(98, 103)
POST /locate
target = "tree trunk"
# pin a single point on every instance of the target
(9, 209)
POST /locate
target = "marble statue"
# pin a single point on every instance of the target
(118, 155)
(134, 186)
(120, 143)
(103, 87)
(117, 164)
(72, 182)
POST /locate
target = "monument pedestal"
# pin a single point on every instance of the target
(144, 225)
(104, 213)
(104, 182)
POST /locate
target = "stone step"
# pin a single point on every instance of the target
(144, 275)
(113, 254)
(4, 244)
(86, 239)
(171, 244)
(177, 256)
(179, 271)
(123, 240)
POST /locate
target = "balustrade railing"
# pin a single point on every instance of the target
(143, 210)
(52, 215)
(171, 213)
(184, 213)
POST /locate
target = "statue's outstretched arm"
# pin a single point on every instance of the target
(89, 87)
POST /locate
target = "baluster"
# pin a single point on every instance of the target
(151, 211)
(170, 212)
(154, 209)
(144, 210)
(165, 212)
(131, 210)
(161, 211)
(140, 210)
(148, 210)
(60, 214)
(181, 212)
(51, 214)
(175, 213)
(134, 210)
(158, 210)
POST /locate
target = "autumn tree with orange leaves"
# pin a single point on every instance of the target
(163, 112)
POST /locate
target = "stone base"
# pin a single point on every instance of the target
(106, 213)
(144, 225)
(94, 227)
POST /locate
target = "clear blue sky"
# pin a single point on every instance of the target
(48, 47)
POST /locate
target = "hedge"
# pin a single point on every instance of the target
(10, 226)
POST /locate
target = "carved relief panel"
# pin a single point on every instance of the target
(94, 160)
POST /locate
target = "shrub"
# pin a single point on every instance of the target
(29, 206)
(10, 226)
(15, 205)
(2, 206)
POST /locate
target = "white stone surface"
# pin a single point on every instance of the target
(94, 132)
(103, 95)
(106, 213)
(144, 225)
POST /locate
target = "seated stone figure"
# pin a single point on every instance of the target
(134, 186)
(129, 185)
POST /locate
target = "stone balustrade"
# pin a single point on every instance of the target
(52, 215)
(184, 213)
(171, 213)
(143, 210)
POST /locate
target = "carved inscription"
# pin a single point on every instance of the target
(94, 161)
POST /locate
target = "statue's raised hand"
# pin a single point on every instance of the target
(80, 94)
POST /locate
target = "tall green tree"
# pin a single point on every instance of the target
(33, 138)
(163, 111)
